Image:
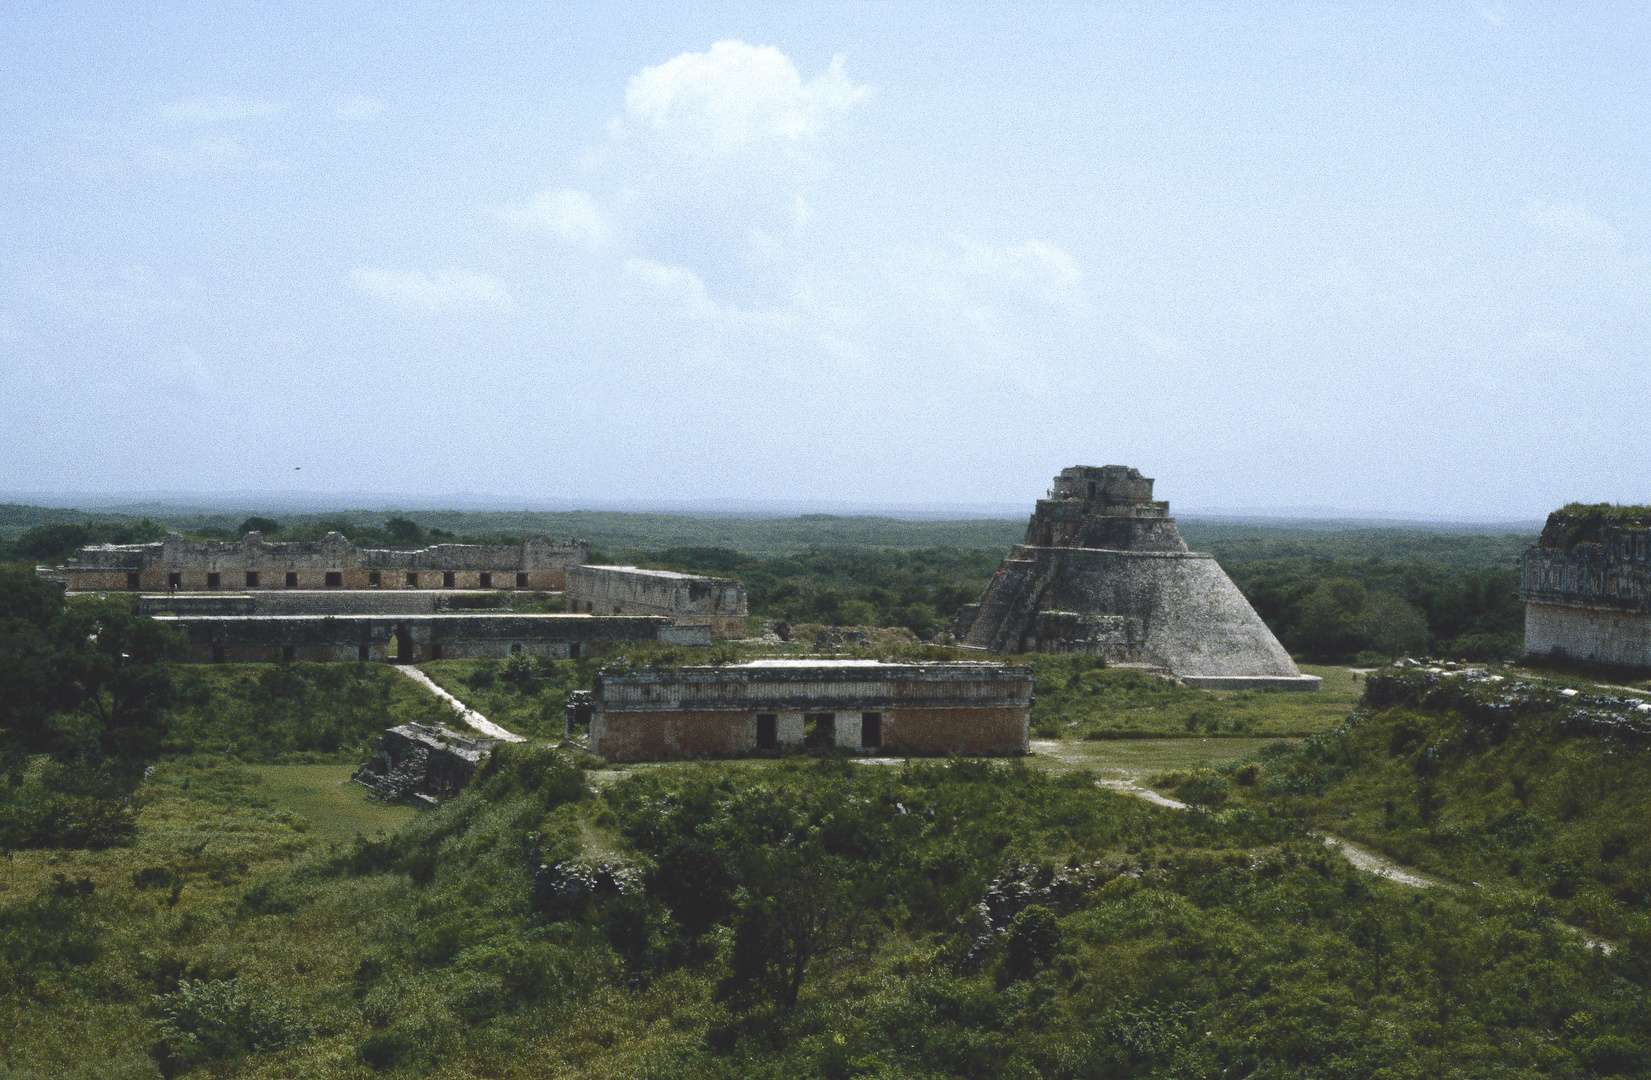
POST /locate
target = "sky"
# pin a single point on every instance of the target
(1378, 259)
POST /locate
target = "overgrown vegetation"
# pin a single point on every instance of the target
(813, 918)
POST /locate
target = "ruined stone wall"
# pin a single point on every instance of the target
(687, 599)
(410, 639)
(1586, 591)
(296, 602)
(1603, 636)
(332, 562)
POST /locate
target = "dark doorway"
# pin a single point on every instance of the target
(435, 652)
(1092, 489)
(217, 654)
(871, 729)
(768, 732)
(573, 650)
(487, 580)
(404, 646)
(412, 581)
(335, 579)
(292, 579)
(521, 581)
(174, 581)
(447, 579)
(820, 730)
(131, 581)
(212, 581)
(363, 653)
(289, 653)
(375, 578)
(252, 579)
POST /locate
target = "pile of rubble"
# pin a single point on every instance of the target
(422, 765)
(1503, 703)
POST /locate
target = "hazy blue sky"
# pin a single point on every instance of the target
(1384, 258)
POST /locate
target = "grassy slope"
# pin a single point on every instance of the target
(1190, 945)
(1563, 819)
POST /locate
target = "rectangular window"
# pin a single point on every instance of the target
(374, 579)
(521, 581)
(131, 581)
(292, 579)
(768, 731)
(820, 730)
(447, 579)
(252, 579)
(289, 653)
(871, 729)
(412, 581)
(217, 654)
(487, 580)
(212, 581)
(335, 579)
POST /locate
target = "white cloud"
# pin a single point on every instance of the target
(676, 284)
(433, 290)
(573, 216)
(215, 109)
(1570, 222)
(736, 94)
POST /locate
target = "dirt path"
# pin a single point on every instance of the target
(1126, 780)
(466, 713)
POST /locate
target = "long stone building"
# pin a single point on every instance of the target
(1103, 571)
(774, 706)
(687, 599)
(412, 639)
(1586, 585)
(329, 563)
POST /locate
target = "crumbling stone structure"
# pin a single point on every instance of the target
(1586, 590)
(773, 706)
(422, 765)
(412, 639)
(687, 599)
(329, 563)
(1103, 571)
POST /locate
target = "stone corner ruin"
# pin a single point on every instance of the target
(1586, 586)
(1103, 571)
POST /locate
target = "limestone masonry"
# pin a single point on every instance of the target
(329, 563)
(1586, 592)
(778, 705)
(687, 599)
(1103, 571)
(411, 639)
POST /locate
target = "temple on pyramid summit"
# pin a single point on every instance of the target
(1103, 571)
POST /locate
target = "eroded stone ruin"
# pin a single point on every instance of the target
(329, 563)
(1103, 571)
(420, 764)
(1586, 593)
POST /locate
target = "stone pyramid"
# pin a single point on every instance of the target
(1103, 571)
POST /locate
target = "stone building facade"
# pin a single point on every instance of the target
(1586, 585)
(329, 563)
(412, 639)
(774, 706)
(1103, 571)
(688, 599)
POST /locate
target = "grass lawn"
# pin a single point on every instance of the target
(324, 795)
(1137, 759)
